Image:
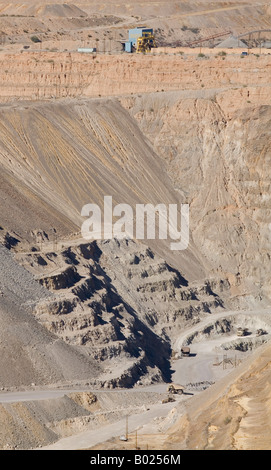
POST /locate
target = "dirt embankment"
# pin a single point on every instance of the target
(233, 417)
(45, 75)
(32, 424)
(215, 148)
(234, 414)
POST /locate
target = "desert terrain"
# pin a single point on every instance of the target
(91, 331)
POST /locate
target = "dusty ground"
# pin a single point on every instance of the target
(87, 415)
(231, 415)
(78, 316)
(76, 24)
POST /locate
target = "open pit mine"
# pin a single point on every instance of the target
(115, 342)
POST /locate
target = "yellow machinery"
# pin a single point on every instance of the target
(175, 389)
(145, 42)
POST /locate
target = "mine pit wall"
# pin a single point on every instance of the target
(227, 328)
(47, 75)
(33, 424)
(207, 51)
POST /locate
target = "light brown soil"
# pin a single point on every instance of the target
(171, 128)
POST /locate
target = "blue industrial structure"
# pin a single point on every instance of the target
(128, 47)
(134, 35)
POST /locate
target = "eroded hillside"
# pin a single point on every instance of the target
(52, 75)
(168, 127)
(218, 156)
(72, 154)
(234, 417)
(113, 300)
(56, 158)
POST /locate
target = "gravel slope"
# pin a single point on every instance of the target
(29, 353)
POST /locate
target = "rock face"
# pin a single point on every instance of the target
(120, 303)
(30, 216)
(72, 155)
(124, 300)
(173, 126)
(76, 153)
(29, 352)
(202, 139)
(218, 157)
(47, 75)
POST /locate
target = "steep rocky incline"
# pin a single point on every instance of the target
(58, 157)
(30, 354)
(218, 157)
(120, 303)
(25, 217)
(69, 154)
(124, 299)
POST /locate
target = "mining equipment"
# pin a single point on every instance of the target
(141, 40)
(175, 389)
